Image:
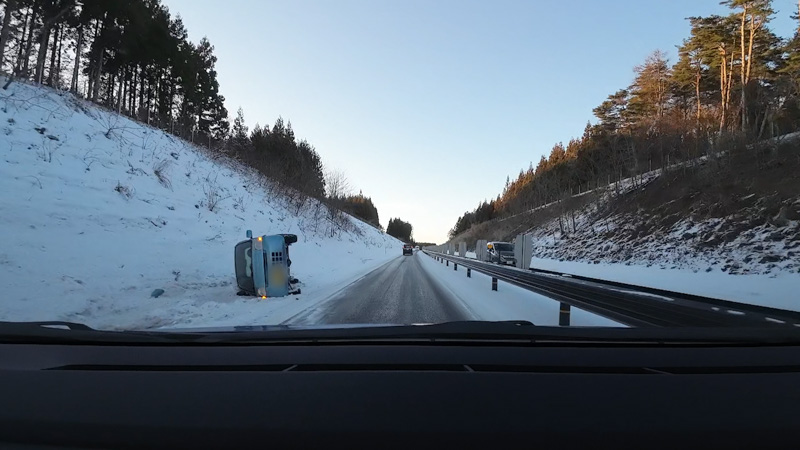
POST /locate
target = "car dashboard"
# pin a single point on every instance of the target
(396, 395)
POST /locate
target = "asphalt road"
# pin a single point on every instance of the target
(399, 292)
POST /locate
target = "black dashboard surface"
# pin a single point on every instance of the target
(398, 396)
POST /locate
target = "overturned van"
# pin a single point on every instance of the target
(262, 265)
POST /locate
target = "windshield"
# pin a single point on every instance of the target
(172, 164)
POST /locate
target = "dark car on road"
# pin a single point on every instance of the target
(501, 253)
(408, 249)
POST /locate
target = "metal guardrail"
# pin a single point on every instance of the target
(632, 305)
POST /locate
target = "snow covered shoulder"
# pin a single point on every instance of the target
(99, 211)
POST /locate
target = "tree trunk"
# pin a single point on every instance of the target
(729, 84)
(132, 103)
(98, 75)
(743, 101)
(726, 94)
(697, 93)
(92, 64)
(58, 62)
(763, 123)
(141, 95)
(44, 38)
(574, 227)
(123, 98)
(754, 26)
(131, 93)
(11, 7)
(54, 50)
(119, 93)
(149, 100)
(73, 86)
(17, 64)
(28, 44)
(722, 86)
(41, 55)
(110, 90)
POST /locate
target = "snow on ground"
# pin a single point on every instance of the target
(90, 229)
(778, 291)
(715, 244)
(509, 302)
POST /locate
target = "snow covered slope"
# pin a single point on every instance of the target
(97, 211)
(743, 242)
(726, 228)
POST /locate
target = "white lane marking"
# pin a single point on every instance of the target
(770, 319)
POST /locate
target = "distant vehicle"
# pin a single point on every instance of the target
(501, 253)
(408, 249)
(417, 247)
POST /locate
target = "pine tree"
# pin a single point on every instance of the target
(649, 93)
(239, 131)
(612, 112)
(754, 15)
(400, 230)
(239, 138)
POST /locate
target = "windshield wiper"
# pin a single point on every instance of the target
(59, 325)
(61, 332)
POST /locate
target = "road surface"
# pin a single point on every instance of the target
(399, 292)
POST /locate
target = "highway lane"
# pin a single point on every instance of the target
(399, 292)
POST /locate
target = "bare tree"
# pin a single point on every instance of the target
(336, 184)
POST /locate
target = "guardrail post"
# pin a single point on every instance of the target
(563, 315)
(447, 263)
(469, 272)
(455, 266)
(494, 283)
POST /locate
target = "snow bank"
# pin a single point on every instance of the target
(778, 291)
(97, 211)
(509, 302)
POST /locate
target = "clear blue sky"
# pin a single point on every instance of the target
(428, 106)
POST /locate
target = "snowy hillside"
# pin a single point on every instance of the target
(733, 235)
(97, 211)
(740, 243)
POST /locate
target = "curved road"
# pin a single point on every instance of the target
(399, 292)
